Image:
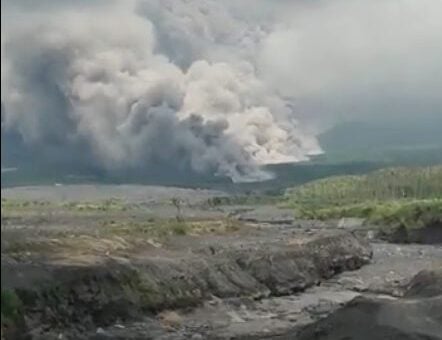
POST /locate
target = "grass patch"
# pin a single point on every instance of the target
(20, 205)
(407, 197)
(108, 205)
(406, 213)
(251, 199)
(151, 228)
(11, 307)
(384, 185)
(160, 229)
(26, 246)
(120, 236)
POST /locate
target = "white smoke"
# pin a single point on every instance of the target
(219, 86)
(103, 76)
(370, 60)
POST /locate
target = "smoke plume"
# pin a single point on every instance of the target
(134, 83)
(220, 87)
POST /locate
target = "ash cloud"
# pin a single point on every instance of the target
(219, 87)
(100, 76)
(376, 61)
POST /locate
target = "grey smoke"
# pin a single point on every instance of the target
(98, 76)
(366, 60)
(221, 87)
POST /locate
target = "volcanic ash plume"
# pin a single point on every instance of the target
(106, 82)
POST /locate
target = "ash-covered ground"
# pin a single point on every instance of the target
(139, 262)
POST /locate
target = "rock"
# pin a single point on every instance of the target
(427, 234)
(426, 283)
(417, 316)
(170, 319)
(350, 223)
(100, 331)
(370, 318)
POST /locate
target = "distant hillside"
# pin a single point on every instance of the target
(35, 166)
(381, 185)
(407, 144)
(398, 200)
(13, 152)
(370, 135)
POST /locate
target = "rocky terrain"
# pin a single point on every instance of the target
(159, 263)
(417, 315)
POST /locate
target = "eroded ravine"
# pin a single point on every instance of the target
(81, 296)
(374, 288)
(273, 278)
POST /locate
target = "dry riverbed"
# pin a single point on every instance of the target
(136, 262)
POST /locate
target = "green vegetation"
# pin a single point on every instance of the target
(111, 204)
(154, 228)
(405, 213)
(121, 236)
(381, 185)
(11, 307)
(12, 204)
(409, 197)
(16, 206)
(250, 199)
(160, 229)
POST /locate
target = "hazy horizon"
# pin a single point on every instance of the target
(219, 88)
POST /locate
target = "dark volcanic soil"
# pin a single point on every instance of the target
(418, 315)
(88, 292)
(267, 277)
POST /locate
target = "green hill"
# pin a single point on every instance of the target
(381, 185)
(393, 198)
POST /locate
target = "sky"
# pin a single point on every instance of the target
(220, 87)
